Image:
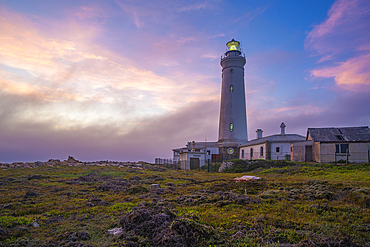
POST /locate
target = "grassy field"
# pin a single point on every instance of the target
(292, 205)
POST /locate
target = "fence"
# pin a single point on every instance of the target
(189, 165)
(350, 157)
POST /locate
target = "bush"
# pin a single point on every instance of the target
(240, 166)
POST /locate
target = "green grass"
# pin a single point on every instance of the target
(292, 202)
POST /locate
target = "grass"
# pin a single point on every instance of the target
(292, 202)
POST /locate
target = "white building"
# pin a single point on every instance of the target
(195, 154)
(275, 147)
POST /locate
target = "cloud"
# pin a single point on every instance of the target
(346, 110)
(343, 39)
(344, 30)
(63, 96)
(25, 141)
(195, 6)
(352, 75)
(67, 72)
(248, 17)
(89, 12)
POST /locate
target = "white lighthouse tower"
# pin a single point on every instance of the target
(233, 116)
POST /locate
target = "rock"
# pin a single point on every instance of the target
(224, 165)
(116, 231)
(244, 179)
(35, 224)
(30, 194)
(3, 234)
(72, 160)
(136, 178)
(7, 206)
(35, 176)
(155, 186)
(238, 234)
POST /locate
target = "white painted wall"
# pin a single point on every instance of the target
(256, 152)
(284, 150)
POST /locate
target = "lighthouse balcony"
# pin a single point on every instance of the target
(233, 54)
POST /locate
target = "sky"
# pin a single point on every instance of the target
(126, 80)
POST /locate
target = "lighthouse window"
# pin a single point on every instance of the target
(231, 70)
(231, 88)
(231, 127)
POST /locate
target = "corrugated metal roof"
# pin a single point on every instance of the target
(339, 134)
(275, 138)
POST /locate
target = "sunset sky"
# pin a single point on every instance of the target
(131, 80)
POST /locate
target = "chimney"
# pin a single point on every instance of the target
(259, 133)
(193, 146)
(282, 127)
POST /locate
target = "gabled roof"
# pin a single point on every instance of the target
(275, 138)
(360, 134)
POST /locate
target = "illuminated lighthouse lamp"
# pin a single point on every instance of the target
(233, 45)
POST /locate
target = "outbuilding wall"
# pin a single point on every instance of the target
(256, 152)
(358, 153)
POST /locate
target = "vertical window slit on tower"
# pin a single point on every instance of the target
(231, 127)
(231, 88)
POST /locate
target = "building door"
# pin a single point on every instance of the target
(308, 153)
(194, 163)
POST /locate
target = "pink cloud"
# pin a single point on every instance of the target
(353, 75)
(344, 37)
(345, 29)
(90, 11)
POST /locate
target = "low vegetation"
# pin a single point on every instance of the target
(293, 204)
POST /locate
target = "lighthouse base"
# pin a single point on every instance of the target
(228, 149)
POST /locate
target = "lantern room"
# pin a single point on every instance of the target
(233, 45)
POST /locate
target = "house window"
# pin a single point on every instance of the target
(261, 151)
(278, 149)
(242, 153)
(251, 153)
(231, 127)
(208, 152)
(341, 148)
(231, 88)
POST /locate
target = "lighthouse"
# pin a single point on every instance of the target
(233, 116)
